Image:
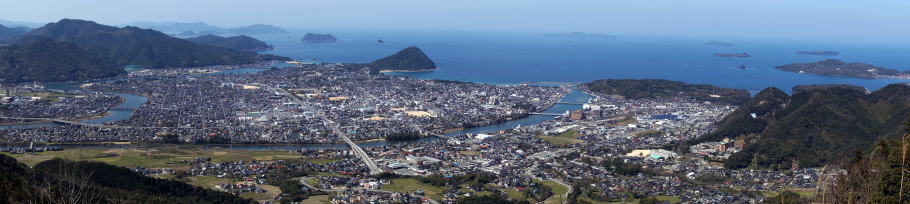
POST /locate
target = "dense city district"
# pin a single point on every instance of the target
(611, 149)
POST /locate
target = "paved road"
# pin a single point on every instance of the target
(362, 154)
(344, 136)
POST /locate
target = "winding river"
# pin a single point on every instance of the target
(132, 101)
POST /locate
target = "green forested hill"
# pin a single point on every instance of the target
(240, 43)
(814, 126)
(660, 88)
(408, 59)
(137, 46)
(45, 60)
(7, 32)
(740, 122)
(59, 181)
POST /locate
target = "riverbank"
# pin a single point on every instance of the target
(26, 123)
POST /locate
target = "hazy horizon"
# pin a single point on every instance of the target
(838, 20)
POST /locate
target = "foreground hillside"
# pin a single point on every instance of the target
(137, 46)
(814, 126)
(61, 181)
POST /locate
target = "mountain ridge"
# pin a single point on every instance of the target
(661, 88)
(12, 32)
(143, 47)
(812, 127)
(46, 60)
(239, 43)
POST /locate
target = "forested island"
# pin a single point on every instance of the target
(660, 88)
(202, 28)
(733, 55)
(581, 35)
(833, 67)
(257, 29)
(719, 44)
(239, 43)
(819, 52)
(409, 59)
(319, 38)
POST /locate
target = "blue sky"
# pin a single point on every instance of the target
(848, 20)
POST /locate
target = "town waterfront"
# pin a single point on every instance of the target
(500, 58)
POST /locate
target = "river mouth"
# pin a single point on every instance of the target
(131, 102)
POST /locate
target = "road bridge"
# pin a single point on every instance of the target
(549, 114)
(570, 103)
(374, 169)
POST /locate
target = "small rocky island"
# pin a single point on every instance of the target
(410, 59)
(819, 52)
(319, 38)
(833, 67)
(719, 44)
(666, 89)
(581, 35)
(733, 55)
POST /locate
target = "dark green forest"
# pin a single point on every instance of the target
(62, 181)
(659, 88)
(45, 60)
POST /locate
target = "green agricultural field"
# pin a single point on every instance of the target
(514, 194)
(318, 199)
(271, 192)
(802, 192)
(209, 182)
(669, 199)
(564, 138)
(408, 185)
(153, 157)
(559, 192)
(322, 160)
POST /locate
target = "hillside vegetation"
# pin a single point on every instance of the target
(44, 60)
(239, 43)
(137, 46)
(62, 181)
(408, 59)
(814, 126)
(660, 88)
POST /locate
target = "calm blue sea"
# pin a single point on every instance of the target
(521, 57)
